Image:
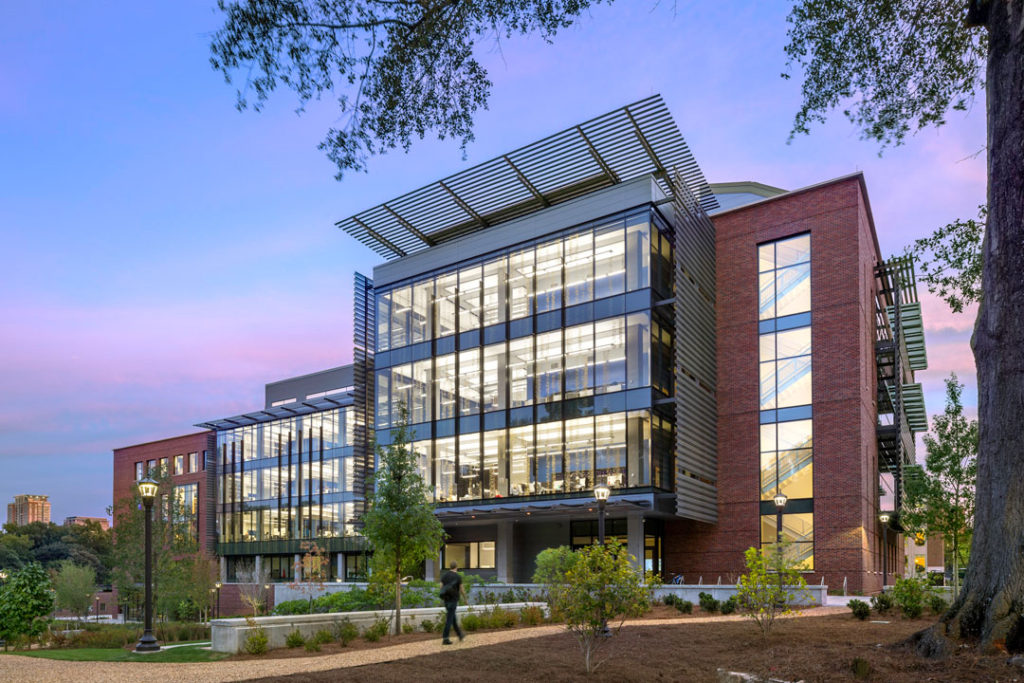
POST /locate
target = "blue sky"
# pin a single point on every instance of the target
(167, 255)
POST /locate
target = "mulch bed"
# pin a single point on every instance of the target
(809, 649)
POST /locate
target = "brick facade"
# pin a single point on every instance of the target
(844, 251)
(201, 443)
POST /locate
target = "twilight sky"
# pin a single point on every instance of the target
(164, 256)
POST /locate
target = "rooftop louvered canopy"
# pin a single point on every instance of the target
(635, 140)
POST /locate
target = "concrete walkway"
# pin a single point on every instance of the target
(15, 668)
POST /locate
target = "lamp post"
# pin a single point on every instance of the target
(601, 493)
(884, 518)
(266, 597)
(212, 591)
(780, 504)
(97, 609)
(216, 587)
(147, 489)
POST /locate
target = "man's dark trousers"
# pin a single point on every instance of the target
(449, 622)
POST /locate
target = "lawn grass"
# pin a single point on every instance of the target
(188, 653)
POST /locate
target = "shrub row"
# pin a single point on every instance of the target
(908, 595)
(109, 636)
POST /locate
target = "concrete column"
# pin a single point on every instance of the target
(503, 551)
(258, 566)
(635, 537)
(341, 567)
(297, 563)
(223, 569)
(432, 570)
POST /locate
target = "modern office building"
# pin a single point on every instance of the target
(28, 508)
(188, 462)
(568, 314)
(293, 474)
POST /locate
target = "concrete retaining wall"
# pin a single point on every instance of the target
(723, 592)
(229, 635)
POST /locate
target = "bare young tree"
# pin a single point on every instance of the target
(252, 585)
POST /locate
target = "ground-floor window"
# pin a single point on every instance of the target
(355, 566)
(471, 555)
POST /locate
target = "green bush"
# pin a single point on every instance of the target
(531, 616)
(937, 603)
(312, 646)
(429, 626)
(257, 642)
(472, 622)
(295, 639)
(708, 602)
(322, 637)
(860, 609)
(345, 632)
(730, 605)
(289, 607)
(115, 637)
(881, 603)
(908, 594)
(500, 618)
(378, 630)
(407, 627)
(354, 600)
(684, 606)
(670, 600)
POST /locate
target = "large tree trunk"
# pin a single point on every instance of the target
(990, 608)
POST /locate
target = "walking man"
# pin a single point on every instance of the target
(451, 591)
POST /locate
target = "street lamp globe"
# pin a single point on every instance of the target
(601, 492)
(780, 500)
(884, 517)
(147, 488)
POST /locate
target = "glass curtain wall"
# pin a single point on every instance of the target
(532, 395)
(787, 434)
(289, 478)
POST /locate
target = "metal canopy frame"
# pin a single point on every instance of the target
(276, 413)
(624, 144)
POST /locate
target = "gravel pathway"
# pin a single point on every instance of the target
(15, 668)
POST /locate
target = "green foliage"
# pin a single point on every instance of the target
(312, 646)
(881, 603)
(684, 606)
(345, 632)
(290, 607)
(25, 601)
(294, 639)
(909, 595)
(860, 609)
(708, 602)
(429, 626)
(74, 586)
(257, 642)
(949, 260)
(85, 545)
(860, 668)
(940, 499)
(895, 66)
(531, 615)
(400, 70)
(937, 604)
(376, 631)
(472, 622)
(600, 586)
(400, 524)
(771, 583)
(553, 564)
(731, 605)
(407, 627)
(322, 637)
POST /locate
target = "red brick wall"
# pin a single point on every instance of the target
(843, 255)
(124, 471)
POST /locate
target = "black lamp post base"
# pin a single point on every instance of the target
(147, 643)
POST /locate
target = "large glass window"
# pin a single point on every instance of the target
(610, 450)
(494, 291)
(444, 469)
(579, 453)
(638, 350)
(419, 405)
(610, 355)
(383, 319)
(444, 386)
(786, 459)
(382, 394)
(548, 464)
(469, 467)
(548, 366)
(520, 454)
(447, 287)
(470, 286)
(579, 360)
(473, 555)
(520, 283)
(797, 530)
(494, 483)
(469, 382)
(520, 372)
(609, 260)
(422, 307)
(579, 268)
(494, 380)
(638, 253)
(785, 277)
(401, 316)
(549, 276)
(401, 390)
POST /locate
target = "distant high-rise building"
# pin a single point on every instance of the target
(27, 508)
(77, 519)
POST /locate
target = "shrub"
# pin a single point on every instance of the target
(860, 609)
(881, 603)
(531, 616)
(472, 622)
(289, 607)
(429, 626)
(684, 606)
(937, 603)
(257, 643)
(322, 637)
(378, 630)
(501, 618)
(771, 582)
(407, 627)
(345, 632)
(730, 605)
(708, 602)
(908, 594)
(312, 646)
(295, 639)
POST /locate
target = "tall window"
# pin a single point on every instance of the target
(787, 434)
